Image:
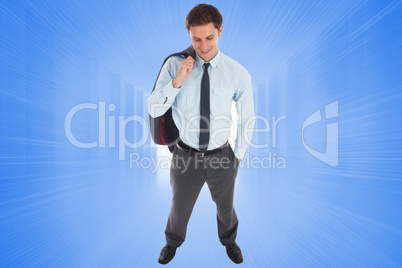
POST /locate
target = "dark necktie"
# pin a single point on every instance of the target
(204, 110)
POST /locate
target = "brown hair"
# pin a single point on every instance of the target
(203, 14)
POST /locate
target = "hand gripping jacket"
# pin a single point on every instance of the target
(163, 128)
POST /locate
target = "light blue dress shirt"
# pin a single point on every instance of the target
(229, 81)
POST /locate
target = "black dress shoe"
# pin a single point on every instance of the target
(234, 252)
(167, 254)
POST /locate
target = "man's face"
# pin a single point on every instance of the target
(205, 39)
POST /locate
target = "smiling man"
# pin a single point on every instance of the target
(201, 91)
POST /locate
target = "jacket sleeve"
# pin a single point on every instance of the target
(161, 99)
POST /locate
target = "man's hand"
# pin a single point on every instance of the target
(184, 71)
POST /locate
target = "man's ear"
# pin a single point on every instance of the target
(220, 31)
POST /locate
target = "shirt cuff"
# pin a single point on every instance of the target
(168, 92)
(239, 152)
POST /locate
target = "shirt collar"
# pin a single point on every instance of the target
(200, 62)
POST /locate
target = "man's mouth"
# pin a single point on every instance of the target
(206, 51)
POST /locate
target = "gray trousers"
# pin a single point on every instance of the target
(188, 173)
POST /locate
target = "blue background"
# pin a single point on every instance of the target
(63, 206)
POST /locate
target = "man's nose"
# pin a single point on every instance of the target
(203, 45)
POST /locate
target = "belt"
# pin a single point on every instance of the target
(184, 147)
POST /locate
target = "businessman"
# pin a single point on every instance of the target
(200, 91)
